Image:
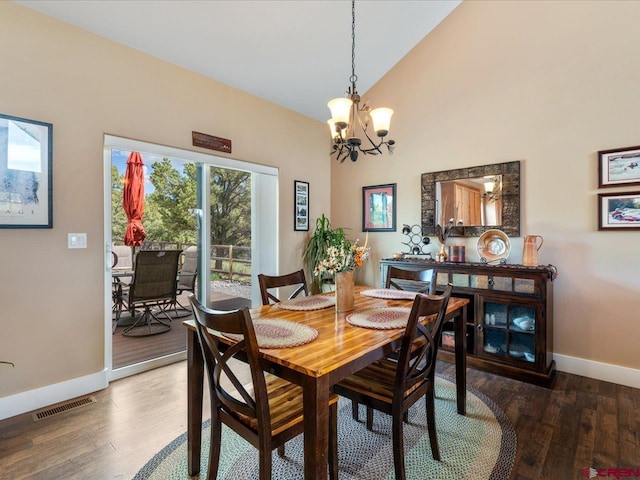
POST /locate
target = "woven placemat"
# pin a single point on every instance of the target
(384, 318)
(314, 302)
(277, 333)
(389, 294)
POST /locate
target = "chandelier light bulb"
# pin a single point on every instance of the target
(340, 110)
(381, 118)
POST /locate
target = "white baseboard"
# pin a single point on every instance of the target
(60, 392)
(43, 397)
(597, 370)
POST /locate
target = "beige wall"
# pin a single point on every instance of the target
(52, 321)
(547, 83)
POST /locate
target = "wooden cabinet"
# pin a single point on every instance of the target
(509, 320)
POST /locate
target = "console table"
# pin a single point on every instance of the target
(509, 319)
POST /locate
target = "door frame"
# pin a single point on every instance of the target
(264, 225)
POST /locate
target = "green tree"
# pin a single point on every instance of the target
(230, 210)
(168, 206)
(118, 217)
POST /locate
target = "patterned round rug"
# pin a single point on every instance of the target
(480, 445)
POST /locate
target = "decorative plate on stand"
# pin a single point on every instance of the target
(494, 246)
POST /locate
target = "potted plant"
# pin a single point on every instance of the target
(316, 249)
(330, 253)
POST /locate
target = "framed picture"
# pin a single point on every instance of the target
(25, 173)
(620, 166)
(619, 211)
(301, 205)
(379, 208)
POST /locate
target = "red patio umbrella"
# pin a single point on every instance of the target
(133, 200)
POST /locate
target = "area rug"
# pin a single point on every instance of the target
(480, 445)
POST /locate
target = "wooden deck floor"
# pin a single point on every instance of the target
(131, 350)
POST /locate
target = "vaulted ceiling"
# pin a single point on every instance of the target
(295, 53)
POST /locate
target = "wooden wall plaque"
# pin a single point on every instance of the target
(212, 143)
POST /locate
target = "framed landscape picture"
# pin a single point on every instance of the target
(26, 197)
(301, 205)
(620, 166)
(619, 211)
(379, 208)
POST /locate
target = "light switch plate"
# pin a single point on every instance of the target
(77, 240)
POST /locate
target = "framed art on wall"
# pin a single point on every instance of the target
(25, 173)
(379, 208)
(620, 166)
(619, 211)
(301, 205)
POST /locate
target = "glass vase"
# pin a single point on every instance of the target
(345, 288)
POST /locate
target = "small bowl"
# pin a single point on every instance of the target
(398, 256)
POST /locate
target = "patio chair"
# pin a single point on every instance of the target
(393, 386)
(121, 269)
(153, 286)
(186, 281)
(267, 282)
(268, 411)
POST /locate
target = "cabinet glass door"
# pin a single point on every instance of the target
(508, 331)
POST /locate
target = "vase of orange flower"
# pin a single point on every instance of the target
(338, 259)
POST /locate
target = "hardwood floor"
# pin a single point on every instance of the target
(580, 423)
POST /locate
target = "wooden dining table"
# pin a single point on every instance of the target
(339, 350)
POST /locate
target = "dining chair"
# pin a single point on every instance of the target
(393, 386)
(268, 411)
(267, 282)
(153, 286)
(402, 279)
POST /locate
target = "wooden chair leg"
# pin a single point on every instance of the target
(265, 464)
(333, 442)
(281, 450)
(214, 449)
(431, 422)
(398, 448)
(354, 410)
(369, 418)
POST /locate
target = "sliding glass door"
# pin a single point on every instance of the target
(196, 203)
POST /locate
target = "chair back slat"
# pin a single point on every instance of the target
(419, 347)
(413, 280)
(237, 399)
(268, 282)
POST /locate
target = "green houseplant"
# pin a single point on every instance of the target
(329, 251)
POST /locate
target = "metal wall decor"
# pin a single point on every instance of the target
(416, 242)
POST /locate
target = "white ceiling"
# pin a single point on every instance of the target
(295, 53)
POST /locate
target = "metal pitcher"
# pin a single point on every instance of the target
(530, 250)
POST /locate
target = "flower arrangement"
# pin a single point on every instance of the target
(341, 257)
(329, 251)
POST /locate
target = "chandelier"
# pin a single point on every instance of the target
(348, 117)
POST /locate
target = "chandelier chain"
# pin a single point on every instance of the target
(354, 77)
